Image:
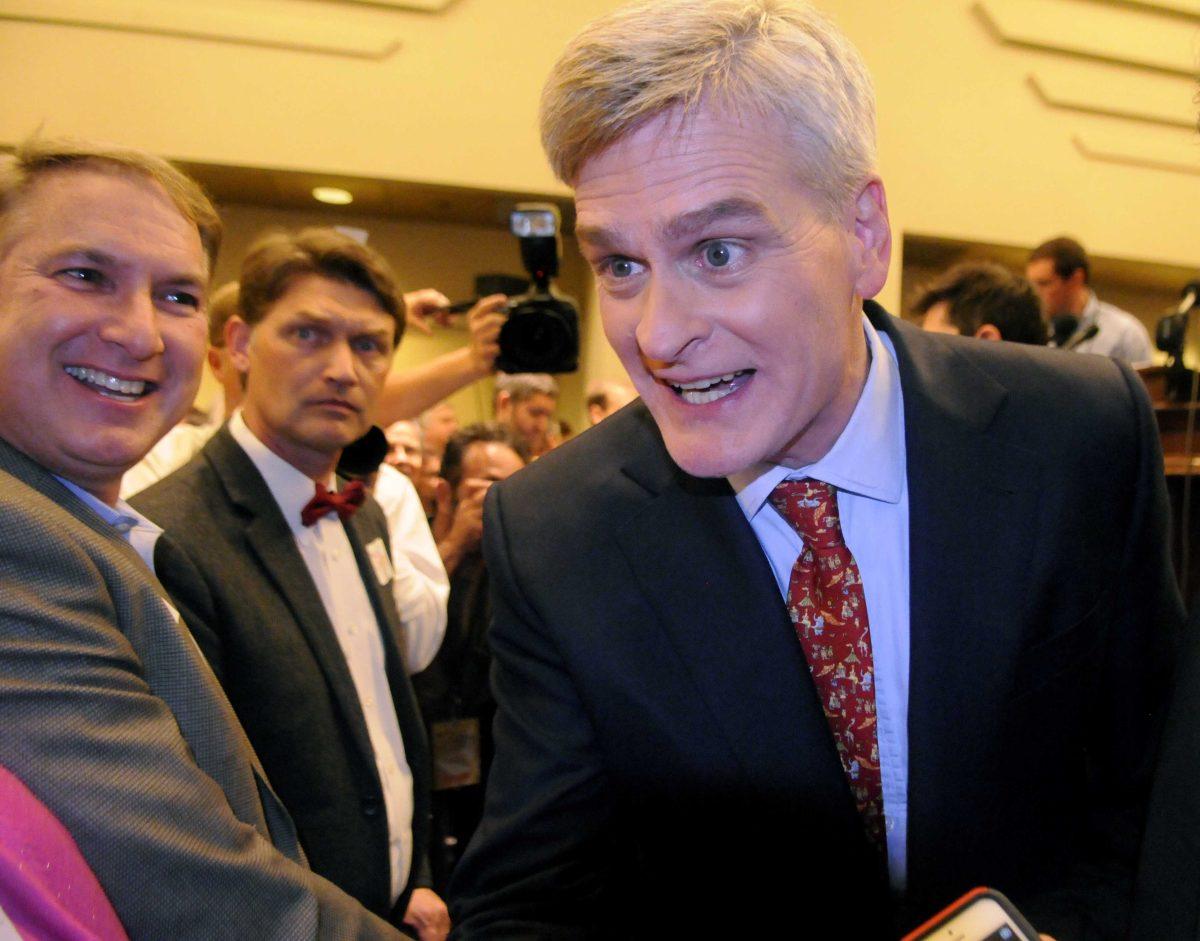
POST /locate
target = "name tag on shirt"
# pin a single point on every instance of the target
(378, 554)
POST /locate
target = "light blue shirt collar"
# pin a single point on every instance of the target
(868, 457)
(132, 526)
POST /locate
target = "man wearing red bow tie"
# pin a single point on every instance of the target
(284, 578)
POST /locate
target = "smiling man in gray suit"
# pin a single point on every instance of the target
(109, 713)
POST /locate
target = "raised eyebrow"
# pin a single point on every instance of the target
(597, 237)
(689, 223)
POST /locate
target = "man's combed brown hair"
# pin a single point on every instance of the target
(38, 157)
(276, 260)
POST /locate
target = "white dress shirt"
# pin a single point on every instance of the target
(330, 560)
(420, 584)
(867, 467)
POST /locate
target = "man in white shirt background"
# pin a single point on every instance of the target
(286, 584)
(1060, 272)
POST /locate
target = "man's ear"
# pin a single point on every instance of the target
(237, 341)
(988, 331)
(873, 237)
(503, 403)
(214, 361)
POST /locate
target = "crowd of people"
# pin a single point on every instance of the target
(825, 621)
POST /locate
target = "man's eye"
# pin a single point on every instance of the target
(620, 267)
(368, 345)
(182, 299)
(718, 254)
(305, 333)
(83, 275)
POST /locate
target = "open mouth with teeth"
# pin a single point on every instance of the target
(124, 390)
(703, 391)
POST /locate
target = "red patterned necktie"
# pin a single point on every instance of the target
(829, 612)
(344, 503)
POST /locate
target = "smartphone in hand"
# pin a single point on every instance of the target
(980, 915)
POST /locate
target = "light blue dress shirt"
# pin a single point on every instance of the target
(134, 528)
(867, 466)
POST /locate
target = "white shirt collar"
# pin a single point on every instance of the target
(868, 457)
(291, 488)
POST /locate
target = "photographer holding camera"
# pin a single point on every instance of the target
(411, 392)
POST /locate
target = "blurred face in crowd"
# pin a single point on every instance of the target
(102, 322)
(314, 367)
(530, 419)
(732, 298)
(1058, 295)
(405, 454)
(439, 423)
(616, 397)
(486, 460)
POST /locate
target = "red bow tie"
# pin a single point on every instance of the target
(344, 503)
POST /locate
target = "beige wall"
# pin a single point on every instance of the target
(966, 148)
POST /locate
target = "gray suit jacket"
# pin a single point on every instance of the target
(110, 715)
(231, 564)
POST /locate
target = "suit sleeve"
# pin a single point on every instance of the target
(1127, 717)
(80, 725)
(539, 866)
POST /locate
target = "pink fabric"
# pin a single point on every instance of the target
(47, 890)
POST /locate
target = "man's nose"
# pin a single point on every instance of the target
(340, 366)
(133, 324)
(668, 321)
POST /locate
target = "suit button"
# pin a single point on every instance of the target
(370, 807)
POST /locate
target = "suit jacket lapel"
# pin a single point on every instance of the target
(965, 488)
(272, 544)
(728, 624)
(360, 534)
(179, 675)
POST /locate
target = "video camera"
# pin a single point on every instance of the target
(541, 333)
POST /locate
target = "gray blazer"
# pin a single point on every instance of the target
(110, 715)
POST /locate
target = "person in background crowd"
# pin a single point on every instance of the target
(286, 582)
(843, 618)
(405, 447)
(604, 398)
(525, 403)
(110, 716)
(419, 582)
(1060, 272)
(984, 300)
(456, 700)
(437, 425)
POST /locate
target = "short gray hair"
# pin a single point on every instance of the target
(524, 385)
(764, 57)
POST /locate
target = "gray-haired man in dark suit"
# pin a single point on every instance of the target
(110, 715)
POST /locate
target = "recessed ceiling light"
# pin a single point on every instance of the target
(333, 195)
